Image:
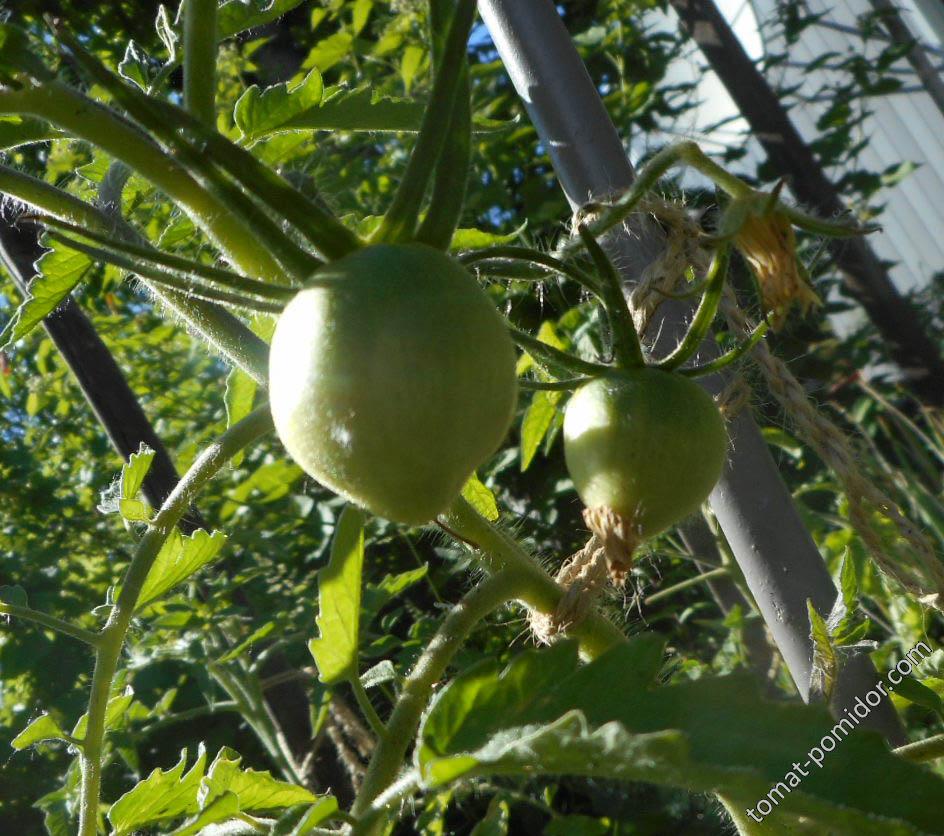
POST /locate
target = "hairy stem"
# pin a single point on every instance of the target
(539, 591)
(50, 621)
(923, 750)
(200, 59)
(68, 109)
(391, 749)
(112, 637)
(220, 329)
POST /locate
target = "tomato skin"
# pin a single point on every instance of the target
(646, 443)
(392, 377)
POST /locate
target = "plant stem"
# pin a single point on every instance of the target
(526, 255)
(923, 750)
(219, 328)
(544, 353)
(392, 747)
(538, 590)
(200, 45)
(626, 347)
(95, 123)
(160, 276)
(683, 153)
(399, 222)
(50, 621)
(720, 572)
(112, 637)
(367, 709)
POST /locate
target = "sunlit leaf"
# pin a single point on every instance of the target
(260, 112)
(60, 270)
(339, 601)
(162, 796)
(547, 713)
(480, 497)
(256, 791)
(43, 727)
(179, 558)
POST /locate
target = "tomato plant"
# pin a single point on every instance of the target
(380, 348)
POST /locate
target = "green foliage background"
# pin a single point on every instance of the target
(58, 543)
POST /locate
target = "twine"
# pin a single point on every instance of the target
(583, 576)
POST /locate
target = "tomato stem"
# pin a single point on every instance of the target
(51, 622)
(388, 757)
(567, 385)
(210, 149)
(492, 256)
(923, 750)
(175, 263)
(399, 223)
(542, 352)
(95, 123)
(704, 315)
(219, 328)
(200, 45)
(367, 708)
(451, 175)
(112, 637)
(157, 275)
(626, 347)
(728, 357)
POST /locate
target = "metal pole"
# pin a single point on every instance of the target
(780, 561)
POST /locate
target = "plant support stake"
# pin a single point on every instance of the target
(777, 556)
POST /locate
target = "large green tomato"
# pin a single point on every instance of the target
(647, 444)
(391, 378)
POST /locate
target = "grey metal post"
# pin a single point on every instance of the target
(779, 559)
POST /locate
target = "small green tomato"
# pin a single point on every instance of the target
(391, 378)
(647, 444)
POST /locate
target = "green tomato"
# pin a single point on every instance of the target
(391, 378)
(647, 444)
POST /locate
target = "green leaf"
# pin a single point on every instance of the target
(43, 727)
(256, 791)
(359, 15)
(132, 478)
(339, 601)
(329, 51)
(495, 822)
(825, 664)
(536, 422)
(137, 66)
(306, 821)
(166, 32)
(247, 643)
(235, 16)
(115, 714)
(383, 671)
(360, 110)
(15, 595)
(60, 270)
(160, 797)
(239, 397)
(410, 64)
(480, 498)
(547, 713)
(177, 560)
(258, 113)
(916, 692)
(222, 809)
(479, 239)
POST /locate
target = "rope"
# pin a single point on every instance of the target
(583, 576)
